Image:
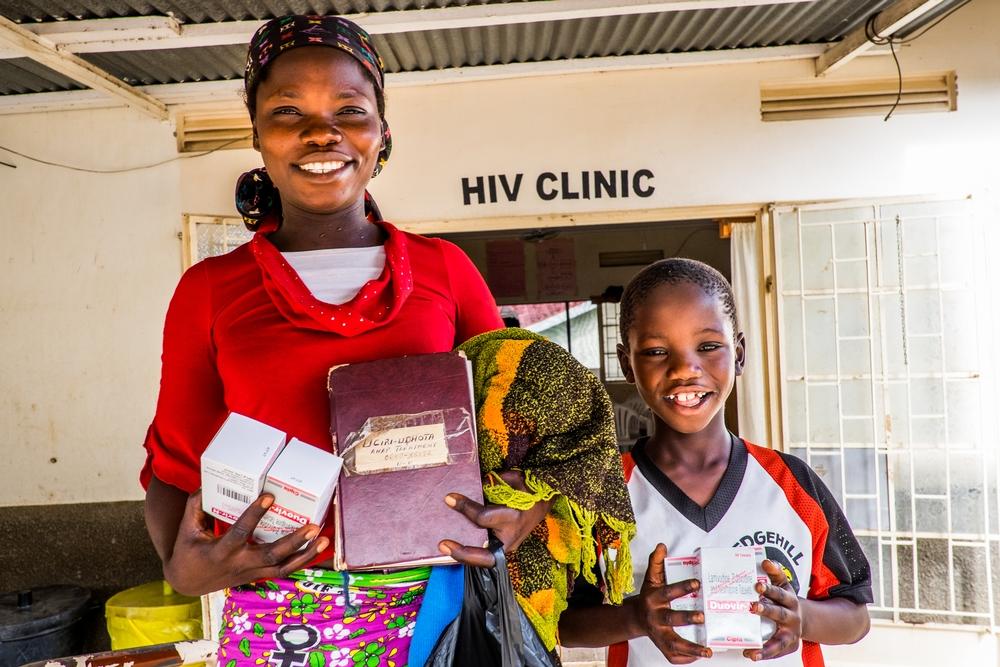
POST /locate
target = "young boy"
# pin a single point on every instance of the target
(694, 484)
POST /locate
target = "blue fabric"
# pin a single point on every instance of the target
(442, 604)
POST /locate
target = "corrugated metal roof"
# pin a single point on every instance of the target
(206, 63)
(634, 34)
(22, 75)
(197, 11)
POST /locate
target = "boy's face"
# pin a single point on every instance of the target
(682, 355)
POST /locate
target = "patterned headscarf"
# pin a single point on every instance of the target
(255, 194)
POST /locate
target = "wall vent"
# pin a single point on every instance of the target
(628, 257)
(209, 131)
(800, 100)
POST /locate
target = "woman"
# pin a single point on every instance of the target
(324, 281)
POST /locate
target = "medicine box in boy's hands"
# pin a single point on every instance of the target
(302, 481)
(682, 568)
(235, 463)
(728, 576)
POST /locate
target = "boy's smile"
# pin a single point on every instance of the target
(682, 356)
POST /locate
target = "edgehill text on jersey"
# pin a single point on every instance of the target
(609, 184)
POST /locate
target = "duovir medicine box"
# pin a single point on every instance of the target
(235, 464)
(728, 576)
(302, 481)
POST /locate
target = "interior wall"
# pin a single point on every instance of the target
(697, 240)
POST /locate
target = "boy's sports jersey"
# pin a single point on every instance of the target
(765, 498)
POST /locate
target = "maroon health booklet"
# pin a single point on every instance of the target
(406, 429)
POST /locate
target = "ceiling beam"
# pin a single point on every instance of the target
(41, 50)
(161, 32)
(890, 20)
(223, 94)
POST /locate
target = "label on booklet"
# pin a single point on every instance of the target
(403, 448)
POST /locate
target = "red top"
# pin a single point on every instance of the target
(244, 334)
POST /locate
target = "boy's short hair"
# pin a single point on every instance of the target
(674, 271)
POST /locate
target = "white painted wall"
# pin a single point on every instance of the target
(917, 646)
(698, 129)
(87, 263)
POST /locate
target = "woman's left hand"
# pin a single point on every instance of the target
(780, 604)
(509, 525)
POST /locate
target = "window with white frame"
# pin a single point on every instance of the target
(206, 236)
(886, 391)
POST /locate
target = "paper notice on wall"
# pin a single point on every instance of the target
(505, 268)
(556, 268)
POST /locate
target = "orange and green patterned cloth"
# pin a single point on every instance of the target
(542, 412)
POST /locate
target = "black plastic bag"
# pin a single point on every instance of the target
(491, 630)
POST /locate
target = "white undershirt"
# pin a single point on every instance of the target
(335, 275)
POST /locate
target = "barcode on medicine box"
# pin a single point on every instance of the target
(235, 495)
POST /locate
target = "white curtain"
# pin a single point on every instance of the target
(746, 276)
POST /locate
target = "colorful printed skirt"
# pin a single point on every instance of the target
(322, 618)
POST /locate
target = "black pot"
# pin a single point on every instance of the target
(41, 623)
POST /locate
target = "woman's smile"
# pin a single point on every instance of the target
(321, 168)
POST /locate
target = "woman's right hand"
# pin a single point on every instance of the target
(656, 620)
(200, 562)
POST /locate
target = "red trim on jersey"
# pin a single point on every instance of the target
(618, 655)
(628, 465)
(822, 578)
(812, 655)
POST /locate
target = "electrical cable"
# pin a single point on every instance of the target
(684, 242)
(123, 169)
(871, 34)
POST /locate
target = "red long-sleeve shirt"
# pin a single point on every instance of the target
(243, 334)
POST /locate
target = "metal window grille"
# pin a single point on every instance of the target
(882, 356)
(608, 326)
(207, 236)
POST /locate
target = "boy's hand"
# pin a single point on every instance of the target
(656, 620)
(781, 605)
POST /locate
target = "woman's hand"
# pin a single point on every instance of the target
(654, 618)
(200, 562)
(781, 605)
(509, 525)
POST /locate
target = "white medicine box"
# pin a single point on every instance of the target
(235, 464)
(302, 482)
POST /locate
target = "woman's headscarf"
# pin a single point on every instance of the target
(256, 196)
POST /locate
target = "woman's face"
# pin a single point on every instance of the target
(317, 128)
